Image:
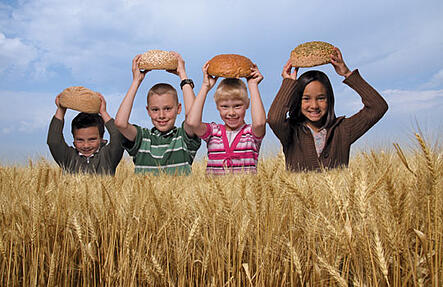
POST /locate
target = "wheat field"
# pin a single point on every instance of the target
(377, 223)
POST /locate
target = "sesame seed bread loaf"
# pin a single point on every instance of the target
(158, 60)
(230, 66)
(80, 99)
(311, 54)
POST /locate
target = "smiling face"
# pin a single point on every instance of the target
(87, 140)
(314, 104)
(163, 110)
(232, 112)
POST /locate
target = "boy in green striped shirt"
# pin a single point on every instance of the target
(165, 147)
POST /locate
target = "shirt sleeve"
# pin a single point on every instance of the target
(59, 149)
(209, 131)
(132, 147)
(374, 106)
(193, 143)
(114, 147)
(277, 115)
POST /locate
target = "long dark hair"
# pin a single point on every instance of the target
(295, 115)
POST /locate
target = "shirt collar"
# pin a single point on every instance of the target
(156, 132)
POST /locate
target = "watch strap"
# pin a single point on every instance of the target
(185, 82)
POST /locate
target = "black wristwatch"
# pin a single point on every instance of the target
(186, 81)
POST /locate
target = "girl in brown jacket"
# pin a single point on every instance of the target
(311, 135)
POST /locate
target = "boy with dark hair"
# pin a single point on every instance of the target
(165, 147)
(90, 153)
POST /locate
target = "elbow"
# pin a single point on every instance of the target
(272, 121)
(259, 125)
(121, 125)
(192, 123)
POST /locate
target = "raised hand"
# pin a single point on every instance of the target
(137, 75)
(256, 77)
(181, 71)
(208, 80)
(338, 63)
(287, 72)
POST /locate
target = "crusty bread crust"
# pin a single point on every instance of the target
(80, 99)
(230, 66)
(312, 54)
(158, 60)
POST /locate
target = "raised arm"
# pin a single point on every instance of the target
(374, 104)
(258, 113)
(194, 119)
(277, 118)
(122, 117)
(188, 91)
(103, 112)
(56, 142)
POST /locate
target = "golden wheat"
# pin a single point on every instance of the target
(377, 223)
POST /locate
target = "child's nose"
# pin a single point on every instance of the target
(314, 104)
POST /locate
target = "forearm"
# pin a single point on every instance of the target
(60, 114)
(280, 105)
(188, 94)
(105, 116)
(124, 111)
(371, 99)
(194, 119)
(258, 113)
(56, 141)
(374, 106)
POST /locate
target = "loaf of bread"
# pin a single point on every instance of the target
(80, 99)
(230, 66)
(158, 60)
(312, 54)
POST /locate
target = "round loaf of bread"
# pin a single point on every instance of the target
(80, 99)
(230, 66)
(158, 60)
(312, 54)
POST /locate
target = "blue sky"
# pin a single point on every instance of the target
(48, 45)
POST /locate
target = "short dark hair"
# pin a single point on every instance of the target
(85, 120)
(295, 115)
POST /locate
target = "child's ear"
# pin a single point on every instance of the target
(179, 108)
(247, 104)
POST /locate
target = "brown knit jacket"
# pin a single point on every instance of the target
(298, 142)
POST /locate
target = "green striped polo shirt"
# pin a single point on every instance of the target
(172, 152)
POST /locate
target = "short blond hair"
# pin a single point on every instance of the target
(160, 89)
(231, 89)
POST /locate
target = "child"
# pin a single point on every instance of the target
(234, 146)
(312, 137)
(165, 147)
(91, 153)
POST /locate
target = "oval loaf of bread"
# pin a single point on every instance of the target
(230, 66)
(80, 99)
(158, 60)
(312, 54)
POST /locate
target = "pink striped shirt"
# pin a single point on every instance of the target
(240, 156)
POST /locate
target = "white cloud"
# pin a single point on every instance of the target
(14, 54)
(401, 102)
(25, 112)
